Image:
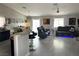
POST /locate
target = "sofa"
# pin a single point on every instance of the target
(42, 32)
(66, 31)
(4, 35)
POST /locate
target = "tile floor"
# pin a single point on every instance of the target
(51, 46)
(5, 48)
(56, 46)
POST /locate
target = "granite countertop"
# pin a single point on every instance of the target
(19, 33)
(22, 33)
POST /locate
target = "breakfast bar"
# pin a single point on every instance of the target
(20, 44)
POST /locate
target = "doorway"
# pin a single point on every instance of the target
(35, 24)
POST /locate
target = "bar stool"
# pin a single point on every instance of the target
(31, 37)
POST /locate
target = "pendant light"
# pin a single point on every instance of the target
(57, 7)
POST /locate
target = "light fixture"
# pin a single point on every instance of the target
(28, 11)
(28, 16)
(57, 7)
(57, 10)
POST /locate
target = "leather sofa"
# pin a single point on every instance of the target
(66, 31)
(4, 35)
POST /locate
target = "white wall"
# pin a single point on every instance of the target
(8, 12)
(72, 16)
(66, 19)
(12, 14)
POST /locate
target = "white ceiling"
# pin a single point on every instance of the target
(41, 9)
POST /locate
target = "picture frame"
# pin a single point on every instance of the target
(46, 21)
(72, 21)
(78, 22)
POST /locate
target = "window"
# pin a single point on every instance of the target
(2, 21)
(58, 22)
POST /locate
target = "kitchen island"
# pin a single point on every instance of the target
(20, 44)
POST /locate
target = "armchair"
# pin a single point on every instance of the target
(43, 33)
